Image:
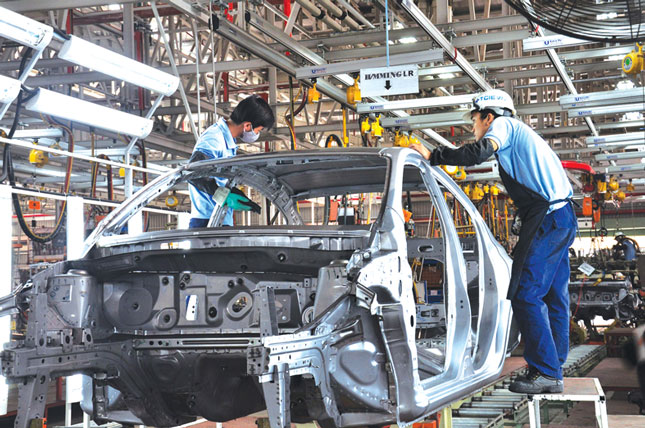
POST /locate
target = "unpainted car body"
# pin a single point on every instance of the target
(310, 322)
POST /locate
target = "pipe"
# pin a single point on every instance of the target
(320, 14)
(339, 14)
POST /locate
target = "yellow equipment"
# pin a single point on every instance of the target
(354, 93)
(477, 194)
(613, 184)
(413, 140)
(630, 186)
(466, 189)
(38, 158)
(494, 190)
(401, 140)
(172, 201)
(365, 126)
(345, 136)
(486, 189)
(313, 96)
(451, 170)
(377, 129)
(620, 195)
(633, 61)
(121, 172)
(460, 175)
(601, 186)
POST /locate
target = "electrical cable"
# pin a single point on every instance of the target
(16, 200)
(331, 138)
(8, 171)
(289, 119)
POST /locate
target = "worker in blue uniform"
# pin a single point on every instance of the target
(625, 248)
(536, 182)
(251, 116)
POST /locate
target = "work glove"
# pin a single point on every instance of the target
(237, 200)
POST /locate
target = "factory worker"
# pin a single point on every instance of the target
(535, 180)
(250, 117)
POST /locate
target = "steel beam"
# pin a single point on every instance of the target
(562, 72)
(438, 37)
(46, 5)
(460, 42)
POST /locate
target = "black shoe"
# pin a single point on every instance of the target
(527, 374)
(536, 383)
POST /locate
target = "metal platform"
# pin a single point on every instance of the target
(575, 389)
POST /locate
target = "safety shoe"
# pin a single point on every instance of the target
(536, 383)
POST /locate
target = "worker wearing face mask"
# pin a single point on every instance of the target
(251, 116)
(535, 180)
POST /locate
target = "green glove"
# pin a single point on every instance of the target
(237, 200)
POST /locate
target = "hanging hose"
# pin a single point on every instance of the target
(108, 169)
(333, 138)
(6, 154)
(144, 164)
(289, 119)
(16, 200)
(8, 171)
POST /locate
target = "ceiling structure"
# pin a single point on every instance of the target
(245, 47)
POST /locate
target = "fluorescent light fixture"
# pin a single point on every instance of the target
(59, 105)
(550, 42)
(407, 40)
(108, 62)
(597, 111)
(414, 103)
(602, 98)
(630, 136)
(447, 76)
(430, 55)
(23, 30)
(9, 89)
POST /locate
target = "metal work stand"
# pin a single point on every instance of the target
(575, 389)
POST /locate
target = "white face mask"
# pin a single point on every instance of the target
(250, 136)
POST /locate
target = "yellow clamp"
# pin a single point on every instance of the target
(401, 140)
(354, 93)
(377, 129)
(313, 95)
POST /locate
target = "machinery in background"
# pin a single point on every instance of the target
(608, 286)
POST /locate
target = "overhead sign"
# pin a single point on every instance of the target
(403, 79)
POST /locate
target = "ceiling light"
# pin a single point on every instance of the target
(108, 62)
(23, 30)
(9, 89)
(73, 109)
(407, 40)
(447, 76)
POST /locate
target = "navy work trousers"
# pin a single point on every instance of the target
(197, 223)
(541, 304)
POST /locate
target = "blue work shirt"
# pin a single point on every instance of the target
(529, 160)
(216, 143)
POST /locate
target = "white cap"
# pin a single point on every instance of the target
(496, 100)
